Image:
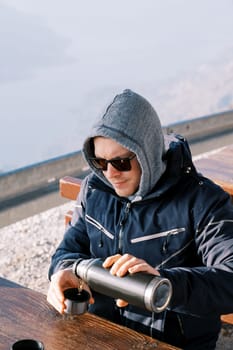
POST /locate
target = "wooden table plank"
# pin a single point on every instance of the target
(218, 166)
(25, 313)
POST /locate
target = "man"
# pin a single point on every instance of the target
(145, 208)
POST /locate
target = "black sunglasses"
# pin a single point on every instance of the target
(121, 164)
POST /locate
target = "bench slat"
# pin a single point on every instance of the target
(70, 187)
(227, 318)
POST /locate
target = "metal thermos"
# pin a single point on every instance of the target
(140, 289)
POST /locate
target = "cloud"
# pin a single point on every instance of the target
(207, 90)
(27, 44)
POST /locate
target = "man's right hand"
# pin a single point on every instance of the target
(60, 281)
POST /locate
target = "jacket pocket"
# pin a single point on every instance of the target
(96, 224)
(158, 235)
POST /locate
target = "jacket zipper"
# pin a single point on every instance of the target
(158, 235)
(122, 224)
(95, 223)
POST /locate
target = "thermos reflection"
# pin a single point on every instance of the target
(140, 289)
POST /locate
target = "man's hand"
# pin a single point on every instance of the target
(122, 264)
(60, 281)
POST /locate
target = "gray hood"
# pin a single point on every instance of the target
(131, 121)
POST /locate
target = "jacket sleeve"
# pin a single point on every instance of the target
(207, 290)
(75, 243)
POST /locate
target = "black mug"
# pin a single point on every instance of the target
(27, 344)
(76, 301)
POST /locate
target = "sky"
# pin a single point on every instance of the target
(61, 63)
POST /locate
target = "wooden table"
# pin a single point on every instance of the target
(218, 166)
(25, 313)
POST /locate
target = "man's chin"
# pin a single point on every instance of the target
(122, 193)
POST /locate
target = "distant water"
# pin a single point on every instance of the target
(61, 63)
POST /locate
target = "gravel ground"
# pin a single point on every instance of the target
(26, 248)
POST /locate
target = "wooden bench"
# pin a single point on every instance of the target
(69, 188)
(216, 165)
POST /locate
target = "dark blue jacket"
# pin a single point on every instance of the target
(183, 227)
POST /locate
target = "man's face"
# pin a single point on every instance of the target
(125, 183)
